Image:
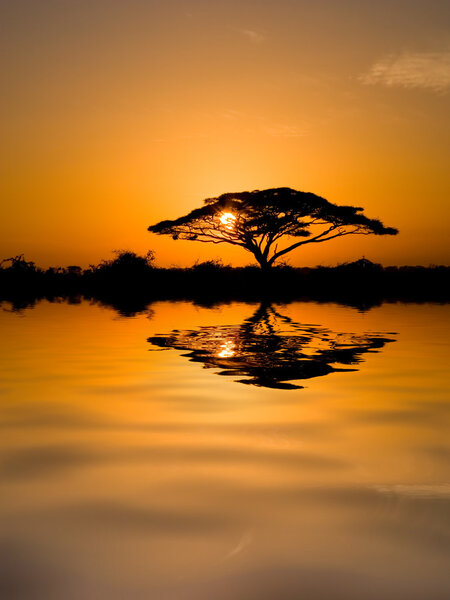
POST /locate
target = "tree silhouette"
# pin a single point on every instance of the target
(258, 221)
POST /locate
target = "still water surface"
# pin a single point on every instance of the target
(234, 453)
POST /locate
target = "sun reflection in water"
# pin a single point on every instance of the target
(227, 349)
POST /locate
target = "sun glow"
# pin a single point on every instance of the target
(228, 219)
(227, 350)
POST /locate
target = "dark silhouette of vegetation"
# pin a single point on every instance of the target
(127, 262)
(259, 221)
(18, 264)
(129, 283)
(270, 350)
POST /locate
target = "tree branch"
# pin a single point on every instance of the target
(317, 239)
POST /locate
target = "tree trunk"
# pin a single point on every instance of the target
(263, 263)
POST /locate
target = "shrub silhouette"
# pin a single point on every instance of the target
(127, 261)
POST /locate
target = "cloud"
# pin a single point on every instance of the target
(285, 131)
(254, 36)
(265, 125)
(231, 114)
(427, 70)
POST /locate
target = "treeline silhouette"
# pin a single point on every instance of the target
(130, 282)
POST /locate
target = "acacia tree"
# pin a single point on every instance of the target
(260, 221)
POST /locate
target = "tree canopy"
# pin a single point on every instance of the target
(258, 221)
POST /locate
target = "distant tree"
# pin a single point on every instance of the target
(258, 221)
(209, 266)
(74, 270)
(128, 261)
(18, 264)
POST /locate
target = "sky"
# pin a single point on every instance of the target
(118, 114)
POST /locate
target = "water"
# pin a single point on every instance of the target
(237, 452)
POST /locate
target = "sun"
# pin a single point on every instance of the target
(228, 219)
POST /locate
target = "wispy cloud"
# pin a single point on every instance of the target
(241, 123)
(255, 37)
(427, 70)
(284, 131)
(231, 114)
(257, 124)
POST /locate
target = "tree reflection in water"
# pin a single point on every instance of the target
(271, 350)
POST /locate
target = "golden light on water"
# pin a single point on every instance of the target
(227, 350)
(181, 459)
(228, 219)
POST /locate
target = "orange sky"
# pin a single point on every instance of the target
(118, 114)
